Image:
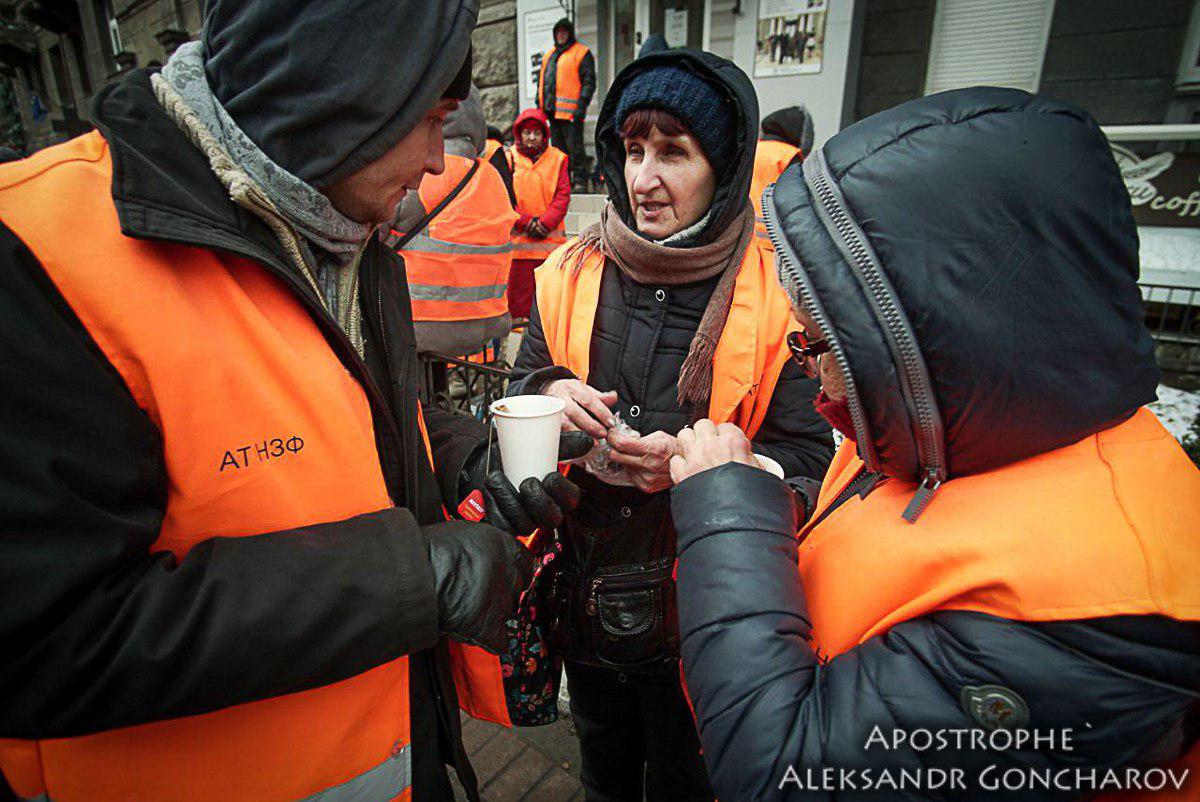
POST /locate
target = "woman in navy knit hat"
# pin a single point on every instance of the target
(666, 311)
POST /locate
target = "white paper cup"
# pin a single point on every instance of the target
(769, 465)
(527, 428)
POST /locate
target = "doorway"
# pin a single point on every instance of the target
(681, 22)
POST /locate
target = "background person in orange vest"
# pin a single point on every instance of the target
(566, 83)
(666, 311)
(543, 189)
(457, 265)
(496, 153)
(1005, 545)
(787, 134)
(227, 572)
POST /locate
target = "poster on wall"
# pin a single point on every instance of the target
(790, 37)
(675, 26)
(539, 38)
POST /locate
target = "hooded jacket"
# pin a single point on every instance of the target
(639, 340)
(532, 200)
(731, 191)
(973, 260)
(90, 598)
(793, 125)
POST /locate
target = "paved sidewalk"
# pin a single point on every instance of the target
(524, 764)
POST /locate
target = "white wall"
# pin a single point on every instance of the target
(822, 92)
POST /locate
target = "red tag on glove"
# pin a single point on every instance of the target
(471, 508)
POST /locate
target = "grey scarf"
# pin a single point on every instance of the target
(330, 243)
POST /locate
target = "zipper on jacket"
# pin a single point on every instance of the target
(788, 260)
(913, 373)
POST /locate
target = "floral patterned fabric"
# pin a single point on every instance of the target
(531, 673)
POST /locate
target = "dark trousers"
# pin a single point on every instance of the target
(636, 736)
(567, 136)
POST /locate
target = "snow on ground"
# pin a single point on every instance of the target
(1176, 409)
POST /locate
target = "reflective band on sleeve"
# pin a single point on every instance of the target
(385, 781)
(427, 244)
(439, 292)
(40, 798)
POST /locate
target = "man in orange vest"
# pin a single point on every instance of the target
(994, 592)
(227, 571)
(543, 190)
(459, 260)
(787, 135)
(566, 83)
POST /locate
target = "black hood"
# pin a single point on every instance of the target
(793, 125)
(566, 23)
(974, 257)
(733, 191)
(327, 88)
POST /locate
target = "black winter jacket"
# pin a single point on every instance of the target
(84, 488)
(998, 231)
(640, 338)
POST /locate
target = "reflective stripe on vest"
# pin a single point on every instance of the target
(386, 781)
(535, 184)
(251, 402)
(1105, 527)
(750, 353)
(567, 83)
(457, 268)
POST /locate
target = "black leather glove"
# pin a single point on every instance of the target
(538, 503)
(479, 573)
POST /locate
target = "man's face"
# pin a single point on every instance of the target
(372, 194)
(532, 137)
(560, 36)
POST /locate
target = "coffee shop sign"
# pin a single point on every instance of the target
(1164, 188)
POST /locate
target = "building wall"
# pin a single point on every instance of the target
(495, 61)
(140, 23)
(1118, 59)
(823, 92)
(894, 54)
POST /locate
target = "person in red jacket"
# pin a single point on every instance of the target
(542, 182)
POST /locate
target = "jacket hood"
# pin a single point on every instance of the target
(793, 125)
(655, 43)
(566, 23)
(973, 257)
(303, 79)
(733, 191)
(465, 129)
(538, 116)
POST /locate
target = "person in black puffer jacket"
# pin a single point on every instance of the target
(996, 594)
(641, 291)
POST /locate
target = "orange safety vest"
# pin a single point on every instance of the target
(534, 184)
(458, 266)
(750, 354)
(771, 158)
(567, 85)
(192, 331)
(490, 146)
(1093, 535)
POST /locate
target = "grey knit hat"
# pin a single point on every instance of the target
(699, 105)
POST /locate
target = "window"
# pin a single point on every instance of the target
(1189, 65)
(106, 20)
(988, 42)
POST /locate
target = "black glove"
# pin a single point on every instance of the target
(479, 573)
(540, 503)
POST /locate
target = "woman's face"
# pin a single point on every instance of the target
(671, 184)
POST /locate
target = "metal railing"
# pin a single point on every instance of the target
(1173, 317)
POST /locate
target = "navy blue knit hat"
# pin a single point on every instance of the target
(699, 105)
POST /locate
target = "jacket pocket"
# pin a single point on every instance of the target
(631, 609)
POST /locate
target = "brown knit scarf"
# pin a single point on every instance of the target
(649, 262)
